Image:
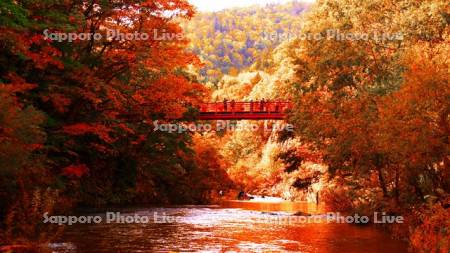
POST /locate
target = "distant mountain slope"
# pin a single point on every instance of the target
(232, 40)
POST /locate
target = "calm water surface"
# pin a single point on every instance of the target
(232, 227)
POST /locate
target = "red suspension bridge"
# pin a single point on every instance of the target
(231, 110)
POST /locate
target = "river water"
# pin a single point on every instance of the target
(234, 226)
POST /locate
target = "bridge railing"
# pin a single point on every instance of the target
(245, 107)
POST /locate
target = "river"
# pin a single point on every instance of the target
(234, 226)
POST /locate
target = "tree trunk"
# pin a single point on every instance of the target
(397, 185)
(382, 182)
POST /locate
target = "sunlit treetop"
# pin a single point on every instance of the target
(208, 5)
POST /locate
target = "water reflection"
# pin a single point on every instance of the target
(232, 227)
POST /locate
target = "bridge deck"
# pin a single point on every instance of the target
(244, 110)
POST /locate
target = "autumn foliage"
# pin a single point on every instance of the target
(76, 116)
(378, 109)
